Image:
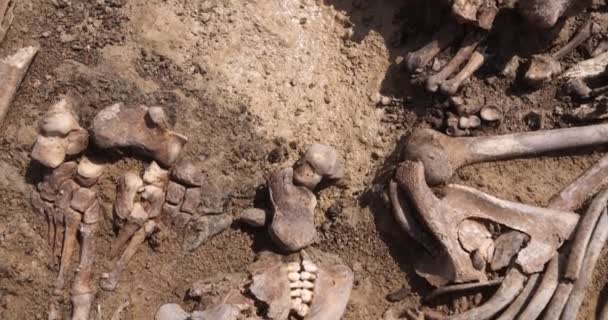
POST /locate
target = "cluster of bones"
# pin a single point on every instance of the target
(172, 188)
(541, 259)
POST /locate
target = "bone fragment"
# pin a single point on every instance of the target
(417, 60)
(462, 287)
(126, 191)
(544, 291)
(594, 249)
(72, 221)
(253, 217)
(507, 246)
(582, 188)
(465, 11)
(442, 155)
(117, 126)
(451, 86)
(506, 293)
(523, 298)
(88, 172)
(588, 69)
(469, 44)
(292, 225)
(109, 281)
(12, 71)
(6, 17)
(320, 161)
(208, 227)
(271, 286)
(547, 228)
(171, 311)
(331, 293)
(187, 173)
(406, 221)
(83, 289)
(545, 67)
(584, 230)
(59, 134)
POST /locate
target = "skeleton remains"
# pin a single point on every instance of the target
(541, 273)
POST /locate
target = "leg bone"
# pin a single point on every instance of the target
(83, 290)
(451, 86)
(444, 37)
(12, 71)
(442, 154)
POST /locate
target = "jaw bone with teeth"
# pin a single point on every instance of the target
(313, 285)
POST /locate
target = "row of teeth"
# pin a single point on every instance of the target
(302, 283)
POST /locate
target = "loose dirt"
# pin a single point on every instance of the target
(252, 84)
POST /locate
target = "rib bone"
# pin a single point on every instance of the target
(547, 228)
(469, 44)
(442, 155)
(12, 71)
(444, 37)
(521, 300)
(544, 291)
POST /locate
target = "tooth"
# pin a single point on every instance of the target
(296, 303)
(296, 284)
(303, 310)
(306, 295)
(293, 267)
(295, 293)
(307, 276)
(309, 266)
(293, 276)
(307, 285)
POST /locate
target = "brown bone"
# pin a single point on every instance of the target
(521, 300)
(442, 155)
(469, 44)
(12, 71)
(544, 14)
(444, 37)
(83, 291)
(547, 228)
(451, 86)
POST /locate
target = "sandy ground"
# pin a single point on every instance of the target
(252, 84)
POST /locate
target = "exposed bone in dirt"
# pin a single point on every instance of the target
(450, 87)
(320, 161)
(467, 203)
(442, 155)
(13, 69)
(545, 14)
(417, 60)
(544, 67)
(142, 128)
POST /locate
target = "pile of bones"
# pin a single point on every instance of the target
(172, 189)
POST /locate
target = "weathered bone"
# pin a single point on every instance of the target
(444, 37)
(109, 281)
(465, 11)
(469, 44)
(584, 230)
(513, 309)
(331, 293)
(83, 291)
(462, 287)
(126, 191)
(451, 86)
(406, 221)
(292, 225)
(555, 307)
(588, 69)
(545, 290)
(601, 48)
(506, 293)
(6, 17)
(60, 135)
(88, 172)
(207, 227)
(442, 155)
(187, 173)
(119, 127)
(547, 228)
(507, 245)
(12, 71)
(253, 217)
(320, 161)
(544, 67)
(72, 221)
(136, 220)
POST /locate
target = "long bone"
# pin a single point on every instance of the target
(547, 228)
(407, 222)
(444, 37)
(442, 155)
(506, 293)
(521, 300)
(109, 281)
(543, 293)
(544, 67)
(12, 71)
(451, 86)
(469, 44)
